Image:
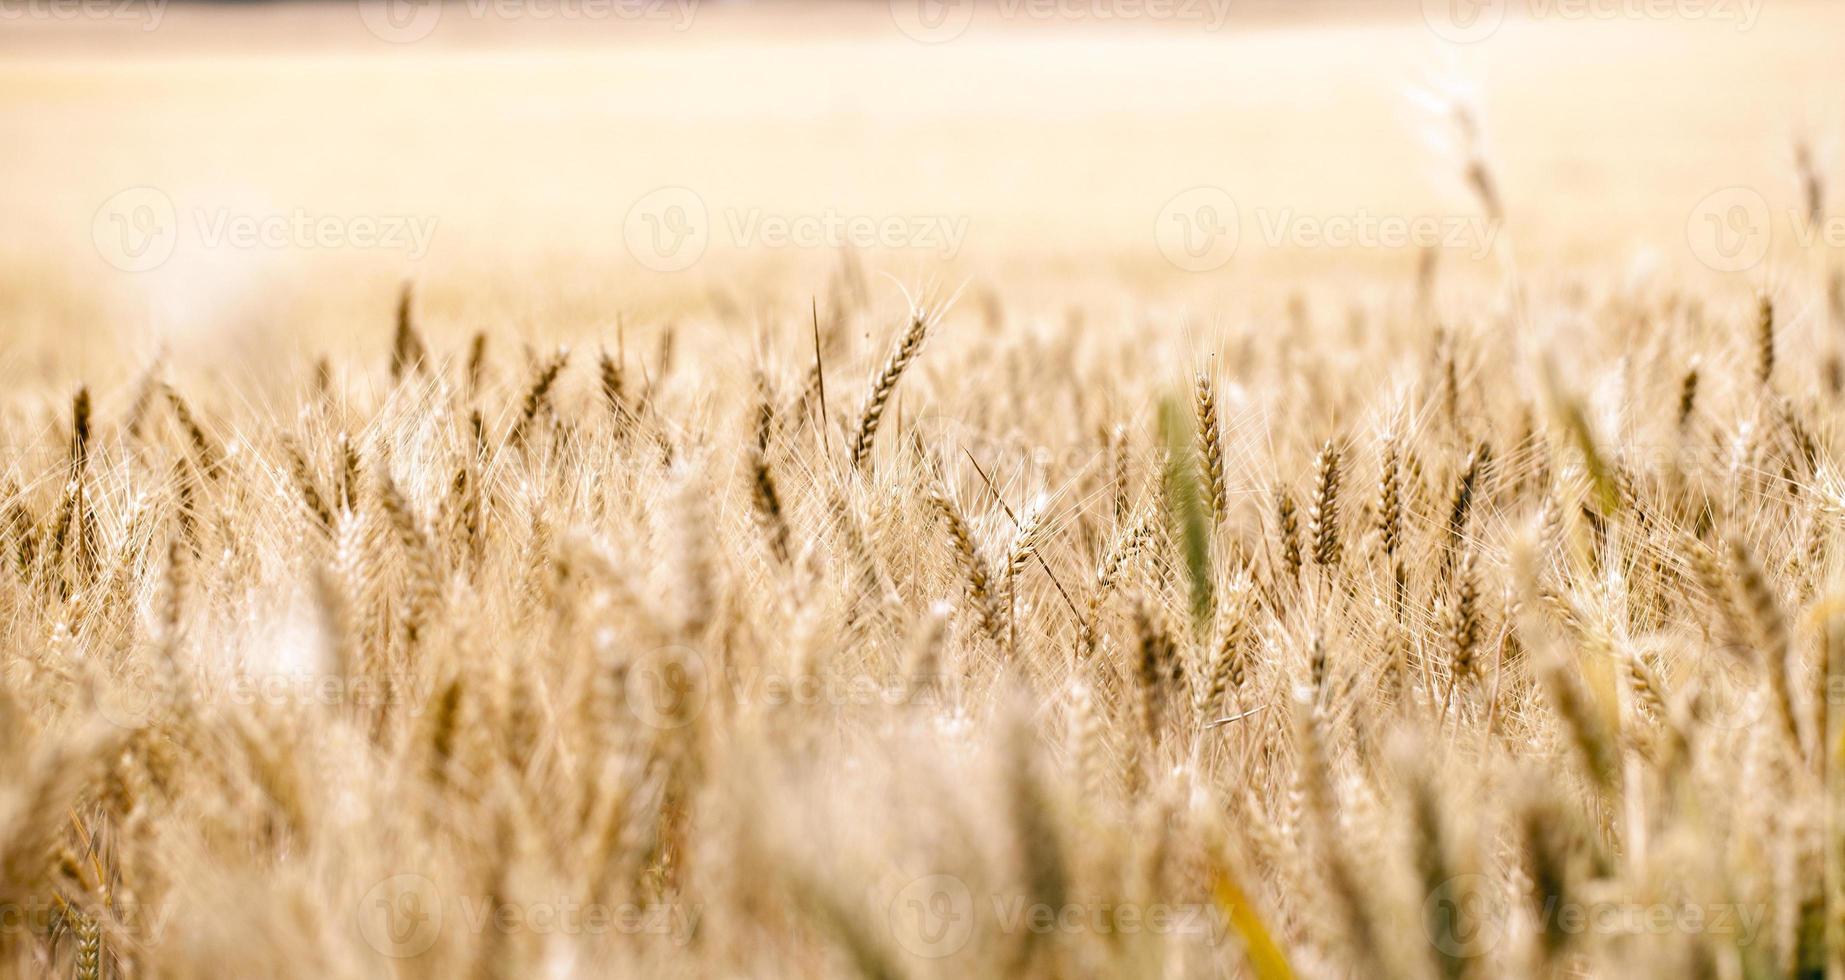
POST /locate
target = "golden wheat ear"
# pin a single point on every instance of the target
(883, 384)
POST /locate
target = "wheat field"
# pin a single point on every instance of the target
(605, 500)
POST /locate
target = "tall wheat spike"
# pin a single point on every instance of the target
(883, 384)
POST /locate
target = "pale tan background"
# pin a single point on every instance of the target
(1058, 142)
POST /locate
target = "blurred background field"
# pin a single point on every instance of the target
(1506, 584)
(524, 143)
